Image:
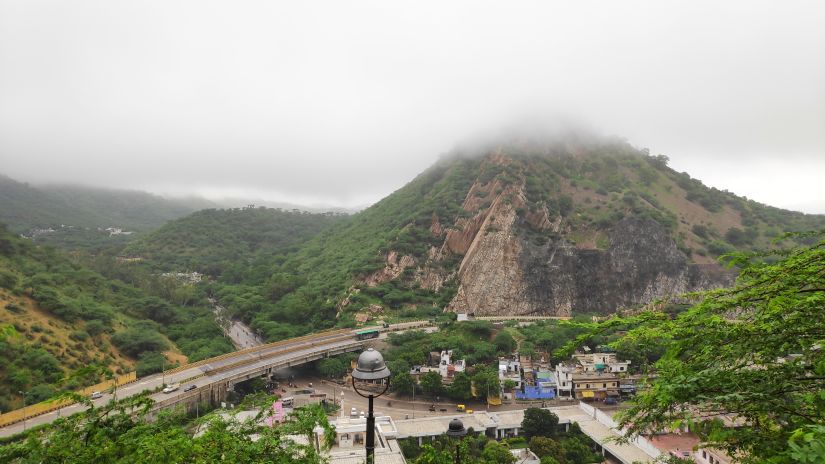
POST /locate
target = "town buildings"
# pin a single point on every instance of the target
(444, 365)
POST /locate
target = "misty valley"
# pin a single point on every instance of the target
(533, 232)
(591, 243)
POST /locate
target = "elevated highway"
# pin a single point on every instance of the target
(213, 378)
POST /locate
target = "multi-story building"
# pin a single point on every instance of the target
(602, 362)
(510, 369)
(564, 380)
(595, 385)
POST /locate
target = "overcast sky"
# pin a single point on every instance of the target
(343, 102)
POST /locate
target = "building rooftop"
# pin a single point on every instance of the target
(598, 376)
(436, 425)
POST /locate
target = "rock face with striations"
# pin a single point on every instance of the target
(505, 275)
(554, 229)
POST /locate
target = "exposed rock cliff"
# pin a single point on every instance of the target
(503, 273)
(545, 227)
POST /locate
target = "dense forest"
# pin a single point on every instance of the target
(229, 244)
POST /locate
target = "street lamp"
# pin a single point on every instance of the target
(370, 368)
(24, 408)
(457, 431)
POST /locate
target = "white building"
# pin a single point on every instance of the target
(448, 367)
(602, 362)
(509, 369)
(350, 435)
(564, 380)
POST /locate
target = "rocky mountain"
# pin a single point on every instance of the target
(553, 226)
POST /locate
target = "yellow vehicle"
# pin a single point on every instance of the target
(460, 407)
(469, 411)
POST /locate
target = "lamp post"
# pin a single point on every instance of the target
(24, 408)
(371, 367)
(457, 431)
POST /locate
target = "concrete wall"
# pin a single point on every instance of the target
(603, 418)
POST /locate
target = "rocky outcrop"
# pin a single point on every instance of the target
(395, 266)
(506, 275)
(540, 219)
(512, 258)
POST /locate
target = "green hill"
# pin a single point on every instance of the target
(228, 243)
(558, 226)
(76, 217)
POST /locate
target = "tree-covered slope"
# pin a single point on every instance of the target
(561, 225)
(76, 217)
(60, 317)
(227, 242)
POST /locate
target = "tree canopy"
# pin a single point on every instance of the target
(539, 422)
(117, 433)
(746, 365)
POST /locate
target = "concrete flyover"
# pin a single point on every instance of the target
(214, 377)
(519, 318)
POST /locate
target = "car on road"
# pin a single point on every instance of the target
(96, 395)
(190, 387)
(171, 388)
(353, 412)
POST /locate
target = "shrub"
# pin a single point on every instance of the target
(139, 339)
(700, 230)
(79, 335)
(150, 363)
(14, 308)
(96, 327)
(8, 279)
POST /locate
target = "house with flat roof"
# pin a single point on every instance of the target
(448, 366)
(601, 362)
(595, 385)
(510, 369)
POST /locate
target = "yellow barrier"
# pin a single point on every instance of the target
(33, 410)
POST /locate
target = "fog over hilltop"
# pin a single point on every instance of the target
(341, 103)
